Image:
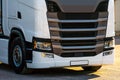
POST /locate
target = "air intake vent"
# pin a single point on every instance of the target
(80, 54)
(77, 16)
(102, 6)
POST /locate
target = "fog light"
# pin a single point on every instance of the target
(48, 55)
(108, 44)
(107, 53)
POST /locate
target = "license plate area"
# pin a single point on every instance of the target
(80, 62)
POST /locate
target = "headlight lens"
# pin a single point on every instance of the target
(108, 44)
(42, 45)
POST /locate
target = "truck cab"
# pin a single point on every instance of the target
(56, 33)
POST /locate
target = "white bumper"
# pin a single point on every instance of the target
(44, 62)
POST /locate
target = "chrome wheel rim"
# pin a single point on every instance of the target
(17, 56)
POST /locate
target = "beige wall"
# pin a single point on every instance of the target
(117, 14)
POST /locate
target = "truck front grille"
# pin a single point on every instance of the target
(77, 34)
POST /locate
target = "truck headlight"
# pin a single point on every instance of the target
(108, 44)
(42, 45)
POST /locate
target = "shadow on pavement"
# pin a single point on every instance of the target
(51, 74)
(5, 67)
(62, 72)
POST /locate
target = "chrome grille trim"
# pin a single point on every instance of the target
(77, 21)
(77, 47)
(73, 30)
(81, 38)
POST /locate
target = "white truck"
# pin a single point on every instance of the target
(37, 34)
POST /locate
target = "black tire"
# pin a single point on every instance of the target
(17, 56)
(91, 68)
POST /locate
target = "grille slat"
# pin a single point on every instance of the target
(75, 51)
(77, 21)
(77, 38)
(77, 47)
(79, 29)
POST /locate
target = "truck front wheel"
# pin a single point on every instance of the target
(17, 56)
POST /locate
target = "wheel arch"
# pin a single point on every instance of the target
(15, 32)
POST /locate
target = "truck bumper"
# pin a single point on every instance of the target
(40, 62)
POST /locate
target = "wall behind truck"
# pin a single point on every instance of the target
(117, 17)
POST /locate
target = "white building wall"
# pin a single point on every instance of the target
(117, 14)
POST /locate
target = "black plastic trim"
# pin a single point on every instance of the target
(19, 15)
(4, 37)
(108, 39)
(1, 19)
(107, 49)
(28, 51)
